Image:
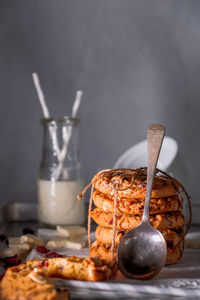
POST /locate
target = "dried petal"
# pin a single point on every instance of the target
(42, 249)
(12, 261)
(110, 222)
(53, 254)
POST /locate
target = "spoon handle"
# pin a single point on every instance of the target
(155, 135)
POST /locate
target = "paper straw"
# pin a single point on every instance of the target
(40, 95)
(52, 130)
(67, 134)
(76, 104)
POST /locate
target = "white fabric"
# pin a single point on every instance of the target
(178, 280)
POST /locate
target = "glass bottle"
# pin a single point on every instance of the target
(59, 178)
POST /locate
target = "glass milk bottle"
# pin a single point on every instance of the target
(59, 177)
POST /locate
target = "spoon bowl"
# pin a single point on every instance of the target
(147, 257)
(142, 251)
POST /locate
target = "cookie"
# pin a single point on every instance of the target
(103, 251)
(173, 237)
(136, 206)
(30, 280)
(132, 183)
(21, 282)
(74, 268)
(159, 221)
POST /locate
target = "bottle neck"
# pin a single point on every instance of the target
(59, 154)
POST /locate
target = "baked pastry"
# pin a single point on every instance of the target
(29, 281)
(103, 251)
(173, 237)
(159, 221)
(22, 283)
(133, 183)
(136, 206)
(75, 268)
(119, 195)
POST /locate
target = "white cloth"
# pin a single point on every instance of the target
(178, 280)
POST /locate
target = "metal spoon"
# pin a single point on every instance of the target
(142, 251)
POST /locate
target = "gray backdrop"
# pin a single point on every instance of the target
(138, 62)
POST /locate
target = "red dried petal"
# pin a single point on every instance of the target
(42, 264)
(12, 261)
(110, 222)
(53, 254)
(42, 249)
(46, 264)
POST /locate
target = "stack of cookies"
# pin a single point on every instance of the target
(123, 191)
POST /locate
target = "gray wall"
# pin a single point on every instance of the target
(138, 62)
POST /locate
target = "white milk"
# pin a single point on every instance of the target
(58, 203)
